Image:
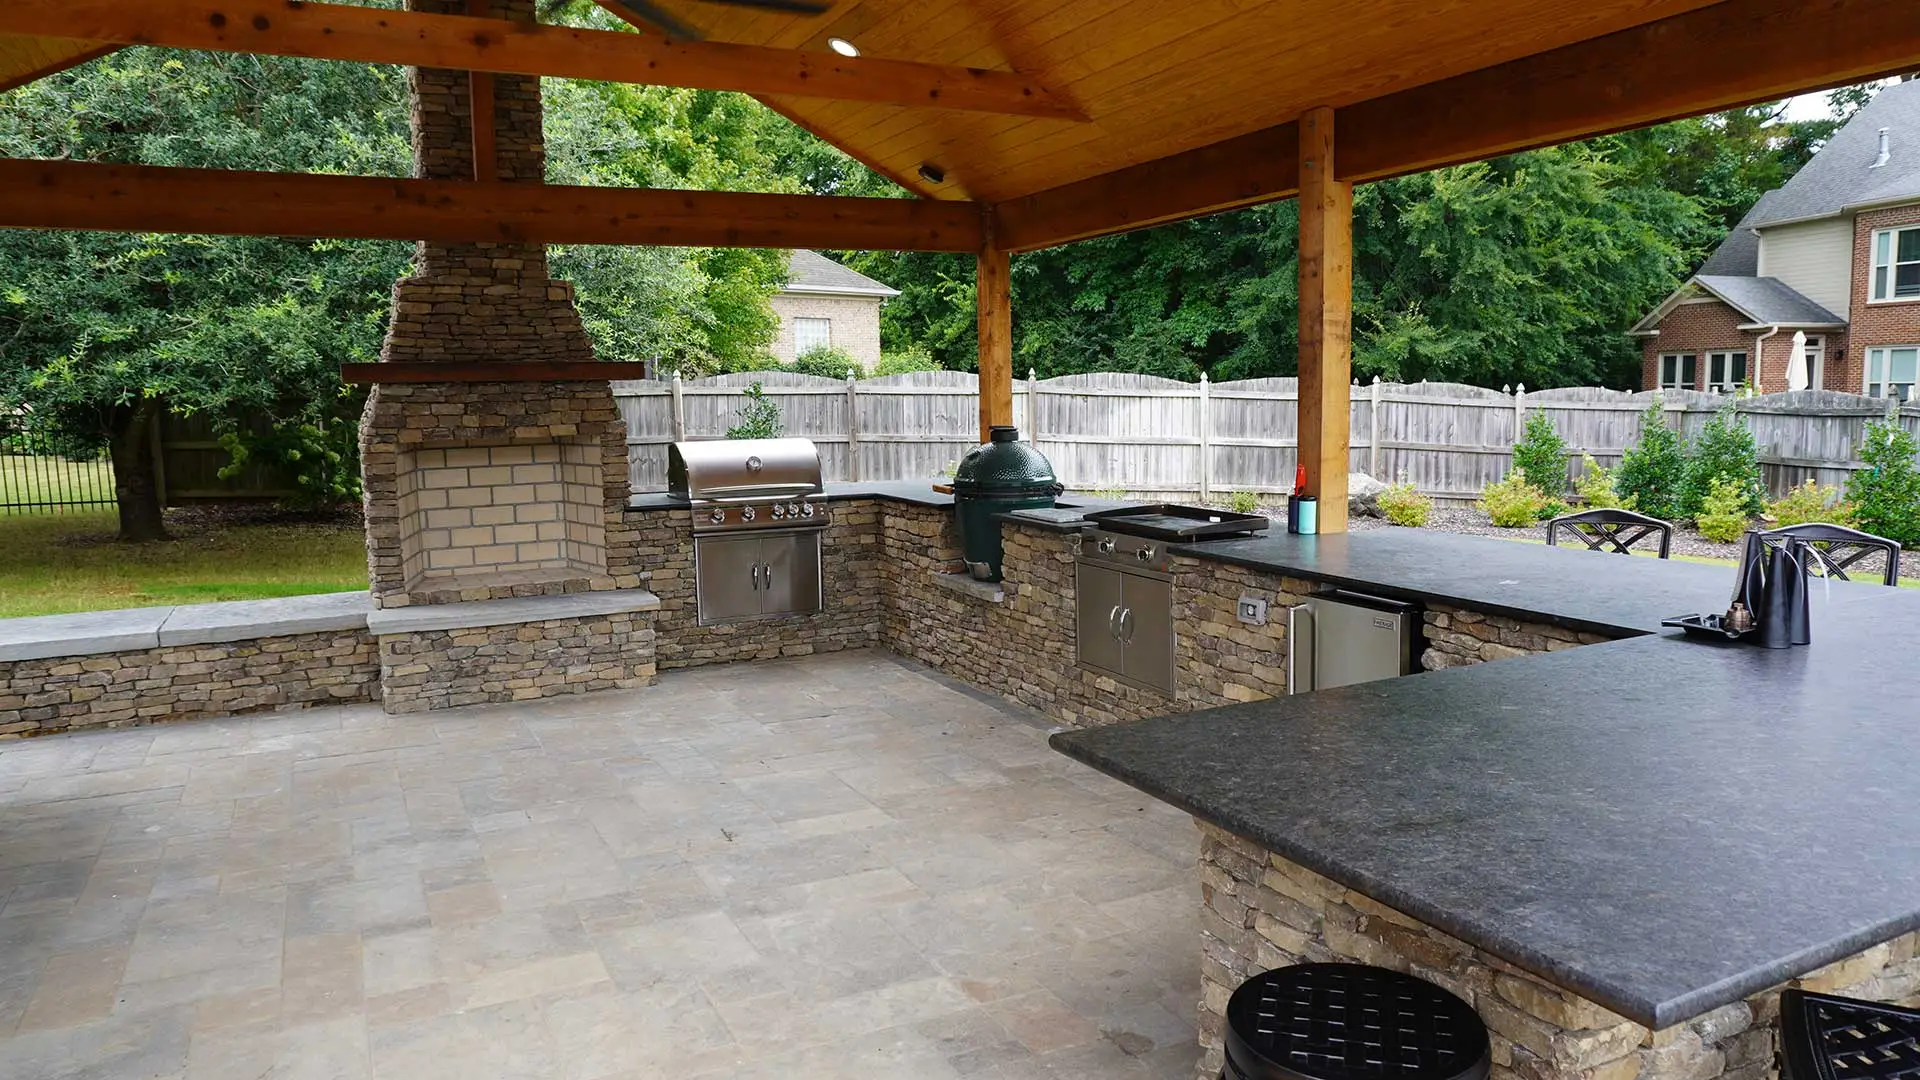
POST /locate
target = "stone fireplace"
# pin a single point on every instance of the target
(497, 548)
(480, 490)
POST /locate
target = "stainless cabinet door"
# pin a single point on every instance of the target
(790, 573)
(727, 575)
(1146, 630)
(1097, 617)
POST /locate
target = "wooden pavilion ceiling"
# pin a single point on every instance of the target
(1156, 79)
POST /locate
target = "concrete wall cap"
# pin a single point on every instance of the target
(506, 612)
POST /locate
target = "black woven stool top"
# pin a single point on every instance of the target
(1834, 1038)
(1351, 1022)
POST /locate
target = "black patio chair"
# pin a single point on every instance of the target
(1823, 1037)
(1611, 531)
(1840, 547)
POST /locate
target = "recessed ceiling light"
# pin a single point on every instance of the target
(931, 173)
(842, 46)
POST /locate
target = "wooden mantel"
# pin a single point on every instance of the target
(483, 372)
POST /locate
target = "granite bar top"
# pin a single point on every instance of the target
(1659, 824)
(1563, 586)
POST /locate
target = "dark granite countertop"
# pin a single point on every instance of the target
(918, 492)
(1570, 587)
(1659, 824)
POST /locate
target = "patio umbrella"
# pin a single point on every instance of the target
(1797, 364)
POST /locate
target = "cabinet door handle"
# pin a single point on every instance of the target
(768, 569)
(1113, 622)
(756, 577)
(1126, 626)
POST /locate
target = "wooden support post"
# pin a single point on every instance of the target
(994, 289)
(1326, 319)
(480, 111)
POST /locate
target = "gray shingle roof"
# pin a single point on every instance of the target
(810, 271)
(1769, 301)
(1739, 254)
(1840, 175)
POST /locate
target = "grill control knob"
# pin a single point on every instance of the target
(793, 509)
(746, 513)
(1105, 545)
(717, 516)
(776, 512)
(806, 509)
(1145, 553)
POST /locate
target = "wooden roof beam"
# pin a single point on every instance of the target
(378, 36)
(1733, 53)
(145, 198)
(84, 51)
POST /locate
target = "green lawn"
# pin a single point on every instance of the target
(52, 479)
(56, 563)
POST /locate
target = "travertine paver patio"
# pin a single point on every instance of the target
(831, 867)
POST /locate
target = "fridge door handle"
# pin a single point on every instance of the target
(1299, 667)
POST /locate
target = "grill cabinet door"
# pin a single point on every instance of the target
(1146, 625)
(726, 571)
(790, 579)
(1097, 591)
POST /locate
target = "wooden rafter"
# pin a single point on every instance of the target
(142, 198)
(373, 35)
(1645, 75)
(83, 52)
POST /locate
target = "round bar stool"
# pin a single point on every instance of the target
(1823, 1037)
(1351, 1022)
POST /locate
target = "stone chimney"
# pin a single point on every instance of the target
(484, 490)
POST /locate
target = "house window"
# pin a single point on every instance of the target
(1677, 371)
(1726, 371)
(1892, 372)
(1896, 264)
(811, 334)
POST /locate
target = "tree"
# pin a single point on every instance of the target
(1655, 467)
(1725, 455)
(99, 332)
(1886, 494)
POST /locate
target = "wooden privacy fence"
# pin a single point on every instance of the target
(1142, 433)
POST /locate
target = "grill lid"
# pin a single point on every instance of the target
(1005, 466)
(743, 468)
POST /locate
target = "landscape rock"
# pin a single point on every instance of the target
(1363, 495)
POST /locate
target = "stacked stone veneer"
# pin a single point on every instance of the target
(180, 682)
(1023, 647)
(1458, 638)
(442, 669)
(1261, 911)
(409, 427)
(851, 577)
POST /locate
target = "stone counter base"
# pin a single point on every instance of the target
(1260, 911)
(443, 669)
(183, 682)
(1459, 638)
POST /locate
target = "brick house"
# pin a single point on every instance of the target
(1833, 254)
(824, 303)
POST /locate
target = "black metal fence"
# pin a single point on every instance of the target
(36, 479)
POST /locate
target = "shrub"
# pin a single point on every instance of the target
(1542, 453)
(1243, 502)
(1403, 504)
(1723, 513)
(1810, 502)
(1596, 487)
(1654, 467)
(1514, 503)
(1886, 494)
(912, 358)
(1725, 452)
(759, 417)
(827, 361)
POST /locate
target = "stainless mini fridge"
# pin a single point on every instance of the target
(1340, 638)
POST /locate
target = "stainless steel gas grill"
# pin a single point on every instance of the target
(758, 509)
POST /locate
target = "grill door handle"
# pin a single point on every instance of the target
(1113, 623)
(756, 577)
(767, 568)
(1126, 626)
